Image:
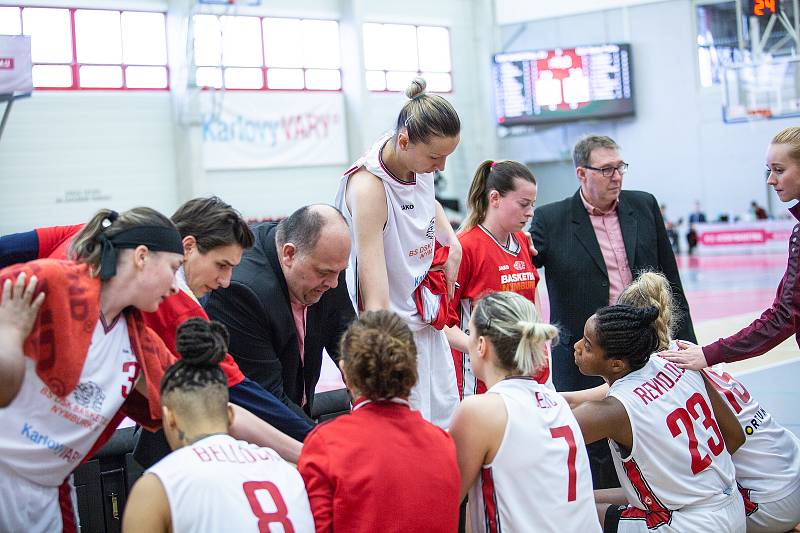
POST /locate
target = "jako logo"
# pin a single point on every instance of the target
(406, 207)
(502, 268)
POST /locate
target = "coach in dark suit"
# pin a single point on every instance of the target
(289, 283)
(591, 246)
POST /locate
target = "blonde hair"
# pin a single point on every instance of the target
(790, 136)
(511, 323)
(652, 289)
(425, 115)
(492, 176)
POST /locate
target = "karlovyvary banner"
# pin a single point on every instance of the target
(246, 130)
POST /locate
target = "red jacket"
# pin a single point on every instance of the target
(381, 468)
(775, 324)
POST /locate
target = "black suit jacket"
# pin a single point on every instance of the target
(576, 275)
(256, 310)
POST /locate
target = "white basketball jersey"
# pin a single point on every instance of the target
(768, 463)
(540, 479)
(678, 457)
(223, 484)
(408, 237)
(44, 436)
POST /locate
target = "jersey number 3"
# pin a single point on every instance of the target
(686, 418)
(281, 513)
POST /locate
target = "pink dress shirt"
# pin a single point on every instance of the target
(609, 237)
(299, 312)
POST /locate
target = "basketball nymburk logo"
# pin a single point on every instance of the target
(519, 265)
(426, 248)
(518, 281)
(89, 395)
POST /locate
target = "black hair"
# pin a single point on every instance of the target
(212, 223)
(202, 345)
(627, 333)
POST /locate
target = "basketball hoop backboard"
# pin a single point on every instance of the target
(763, 90)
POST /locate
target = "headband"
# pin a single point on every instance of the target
(156, 238)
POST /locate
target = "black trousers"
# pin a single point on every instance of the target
(604, 475)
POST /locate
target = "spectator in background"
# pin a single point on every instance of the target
(672, 230)
(697, 215)
(759, 213)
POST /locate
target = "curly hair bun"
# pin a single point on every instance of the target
(416, 87)
(201, 342)
(648, 315)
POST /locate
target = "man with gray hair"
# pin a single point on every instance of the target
(591, 245)
(287, 300)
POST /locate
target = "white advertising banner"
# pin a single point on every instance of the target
(15, 64)
(247, 130)
(744, 237)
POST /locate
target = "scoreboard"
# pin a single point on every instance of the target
(563, 84)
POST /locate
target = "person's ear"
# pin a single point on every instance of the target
(403, 140)
(140, 256)
(189, 244)
(168, 418)
(231, 416)
(618, 366)
(581, 173)
(288, 253)
(494, 198)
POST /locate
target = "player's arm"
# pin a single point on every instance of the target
(147, 509)
(477, 431)
(595, 394)
(315, 468)
(729, 425)
(248, 427)
(447, 237)
(18, 312)
(603, 419)
(366, 200)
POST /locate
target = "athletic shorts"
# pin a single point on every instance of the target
(435, 395)
(778, 516)
(34, 508)
(727, 516)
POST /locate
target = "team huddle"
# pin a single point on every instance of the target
(209, 333)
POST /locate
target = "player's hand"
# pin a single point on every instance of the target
(451, 268)
(18, 307)
(531, 247)
(689, 356)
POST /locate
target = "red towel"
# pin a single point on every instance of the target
(63, 331)
(433, 305)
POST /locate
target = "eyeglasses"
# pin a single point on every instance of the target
(607, 172)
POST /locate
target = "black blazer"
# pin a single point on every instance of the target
(256, 310)
(576, 275)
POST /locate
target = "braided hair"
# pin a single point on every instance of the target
(627, 333)
(202, 346)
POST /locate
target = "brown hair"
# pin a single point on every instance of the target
(651, 289)
(379, 356)
(790, 136)
(212, 223)
(425, 115)
(582, 151)
(511, 323)
(492, 176)
(86, 248)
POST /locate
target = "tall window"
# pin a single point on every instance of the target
(718, 42)
(396, 53)
(243, 52)
(92, 48)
